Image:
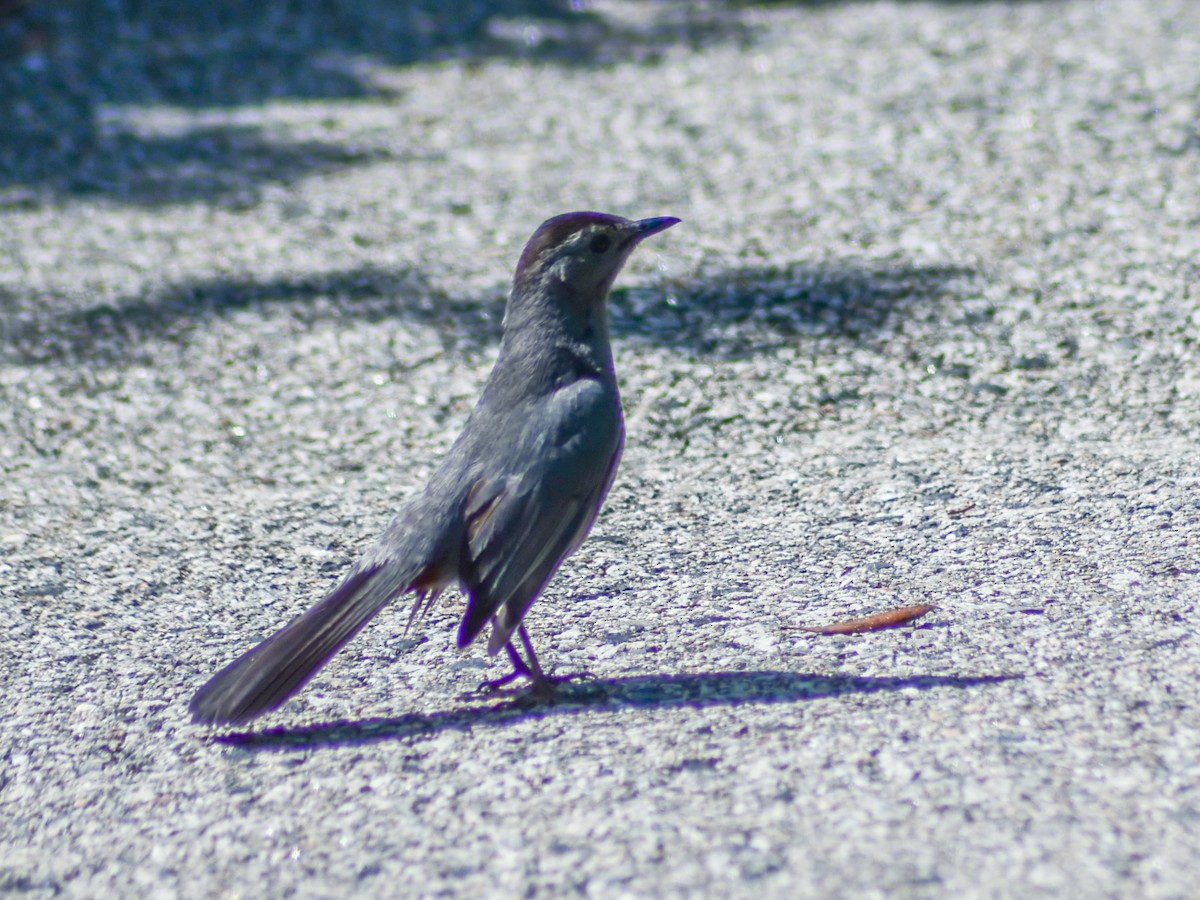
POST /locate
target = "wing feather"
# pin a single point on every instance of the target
(521, 524)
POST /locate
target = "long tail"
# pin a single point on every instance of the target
(265, 676)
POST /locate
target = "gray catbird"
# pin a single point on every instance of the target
(517, 493)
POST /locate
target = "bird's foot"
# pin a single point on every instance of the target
(519, 670)
(544, 688)
(548, 688)
(494, 684)
(544, 685)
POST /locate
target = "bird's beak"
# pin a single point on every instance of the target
(646, 227)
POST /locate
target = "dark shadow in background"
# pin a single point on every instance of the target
(606, 695)
(742, 312)
(62, 62)
(732, 314)
(223, 166)
(122, 332)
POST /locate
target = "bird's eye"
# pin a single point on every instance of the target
(600, 243)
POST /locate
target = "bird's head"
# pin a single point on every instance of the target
(575, 257)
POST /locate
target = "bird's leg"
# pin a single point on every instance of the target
(537, 674)
(543, 684)
(519, 669)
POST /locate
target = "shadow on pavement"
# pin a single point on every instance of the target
(67, 67)
(733, 313)
(113, 333)
(744, 311)
(68, 70)
(220, 165)
(605, 695)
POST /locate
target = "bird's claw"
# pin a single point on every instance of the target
(545, 687)
(493, 685)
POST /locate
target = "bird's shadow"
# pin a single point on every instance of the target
(602, 695)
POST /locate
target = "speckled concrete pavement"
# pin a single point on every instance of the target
(926, 334)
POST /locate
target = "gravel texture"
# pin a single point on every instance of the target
(928, 333)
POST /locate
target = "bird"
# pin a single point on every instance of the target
(517, 493)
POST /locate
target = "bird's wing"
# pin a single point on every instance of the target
(523, 522)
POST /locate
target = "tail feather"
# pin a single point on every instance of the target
(267, 675)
